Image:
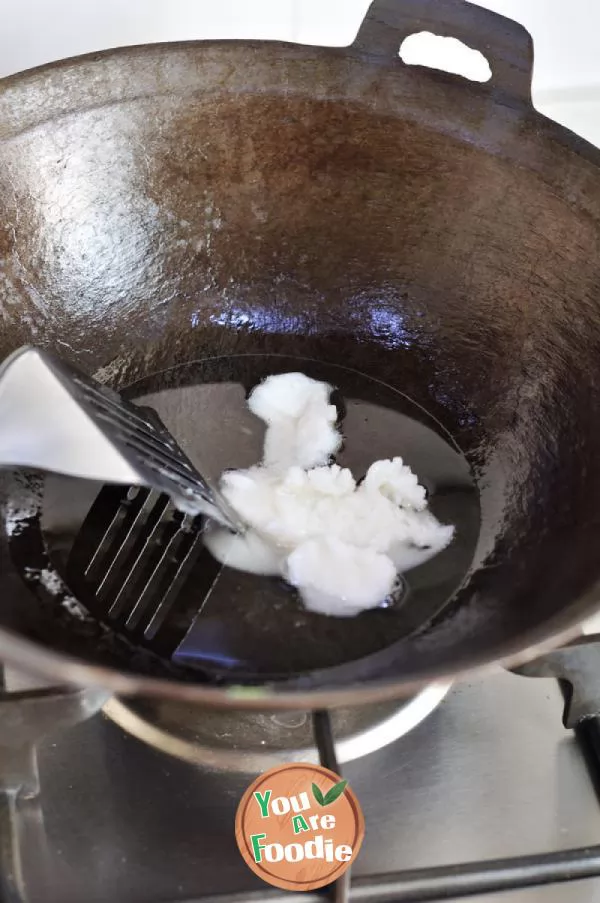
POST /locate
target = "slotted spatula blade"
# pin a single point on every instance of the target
(54, 417)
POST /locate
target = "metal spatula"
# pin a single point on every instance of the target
(53, 417)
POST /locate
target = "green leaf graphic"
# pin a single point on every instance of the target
(333, 793)
(318, 795)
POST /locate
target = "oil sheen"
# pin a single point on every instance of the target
(252, 624)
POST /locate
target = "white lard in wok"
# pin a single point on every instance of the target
(342, 545)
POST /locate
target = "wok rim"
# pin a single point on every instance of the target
(59, 668)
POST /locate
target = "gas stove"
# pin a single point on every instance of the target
(489, 796)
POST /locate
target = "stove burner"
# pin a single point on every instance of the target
(251, 742)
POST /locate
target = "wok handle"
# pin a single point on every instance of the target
(506, 44)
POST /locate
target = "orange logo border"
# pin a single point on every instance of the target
(243, 839)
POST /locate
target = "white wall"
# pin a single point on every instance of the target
(36, 31)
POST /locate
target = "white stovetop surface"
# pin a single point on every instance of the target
(566, 82)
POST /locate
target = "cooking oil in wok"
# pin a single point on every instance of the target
(256, 625)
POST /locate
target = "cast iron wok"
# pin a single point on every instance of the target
(170, 203)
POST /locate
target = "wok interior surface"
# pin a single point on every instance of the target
(173, 204)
